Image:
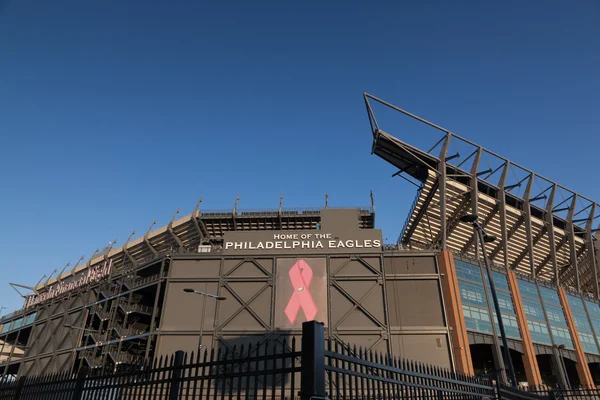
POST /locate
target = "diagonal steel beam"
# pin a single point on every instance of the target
(551, 240)
(421, 212)
(485, 222)
(454, 219)
(147, 241)
(526, 251)
(509, 235)
(170, 230)
(549, 256)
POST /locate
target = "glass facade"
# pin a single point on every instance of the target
(475, 307)
(16, 324)
(545, 315)
(582, 325)
(556, 317)
(534, 313)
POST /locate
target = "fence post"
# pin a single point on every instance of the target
(20, 384)
(80, 383)
(312, 381)
(176, 378)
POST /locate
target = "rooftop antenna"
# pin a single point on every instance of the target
(237, 200)
(38, 282)
(281, 202)
(326, 200)
(125, 249)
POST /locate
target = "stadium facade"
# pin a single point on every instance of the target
(257, 275)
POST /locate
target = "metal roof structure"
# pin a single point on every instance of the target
(198, 228)
(544, 229)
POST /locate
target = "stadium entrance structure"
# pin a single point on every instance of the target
(545, 261)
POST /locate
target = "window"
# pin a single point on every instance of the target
(539, 332)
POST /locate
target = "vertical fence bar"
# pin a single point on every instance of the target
(293, 377)
(313, 360)
(79, 383)
(248, 370)
(177, 368)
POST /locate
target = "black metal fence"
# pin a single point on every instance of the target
(272, 370)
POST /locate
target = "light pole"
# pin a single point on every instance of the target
(483, 239)
(204, 296)
(563, 366)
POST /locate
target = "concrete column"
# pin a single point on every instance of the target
(454, 311)
(583, 370)
(532, 370)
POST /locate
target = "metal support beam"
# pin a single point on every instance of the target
(454, 219)
(502, 202)
(473, 183)
(170, 230)
(509, 235)
(554, 248)
(527, 221)
(147, 241)
(526, 251)
(572, 244)
(550, 223)
(485, 222)
(592, 251)
(126, 252)
(421, 212)
(442, 188)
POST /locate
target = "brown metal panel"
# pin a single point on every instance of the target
(250, 267)
(182, 310)
(409, 265)
(357, 305)
(430, 349)
(169, 344)
(194, 269)
(247, 306)
(414, 303)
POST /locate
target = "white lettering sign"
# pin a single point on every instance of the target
(304, 241)
(94, 274)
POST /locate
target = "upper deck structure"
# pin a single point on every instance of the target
(544, 229)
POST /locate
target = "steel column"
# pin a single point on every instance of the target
(442, 188)
(528, 229)
(550, 222)
(572, 244)
(502, 203)
(592, 250)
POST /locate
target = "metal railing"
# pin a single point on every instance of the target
(272, 369)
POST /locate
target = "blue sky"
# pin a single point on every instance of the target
(116, 113)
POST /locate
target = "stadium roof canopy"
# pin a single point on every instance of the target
(544, 229)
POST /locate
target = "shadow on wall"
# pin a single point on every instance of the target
(255, 365)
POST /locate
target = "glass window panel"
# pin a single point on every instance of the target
(467, 271)
(539, 332)
(588, 343)
(561, 336)
(511, 327)
(576, 304)
(528, 289)
(549, 296)
(596, 325)
(582, 323)
(593, 309)
(472, 294)
(533, 309)
(477, 319)
(556, 316)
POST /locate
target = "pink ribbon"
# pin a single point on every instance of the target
(300, 276)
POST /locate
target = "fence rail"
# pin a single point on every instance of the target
(275, 370)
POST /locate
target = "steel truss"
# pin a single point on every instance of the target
(546, 230)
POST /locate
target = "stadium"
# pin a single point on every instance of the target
(215, 279)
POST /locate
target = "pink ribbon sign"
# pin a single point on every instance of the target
(300, 276)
